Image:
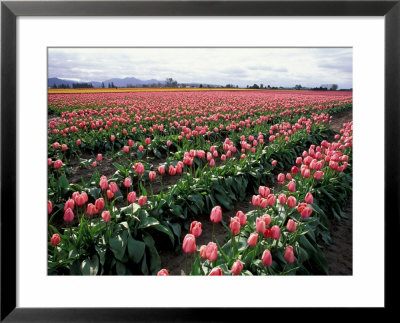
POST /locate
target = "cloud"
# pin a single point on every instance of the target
(242, 66)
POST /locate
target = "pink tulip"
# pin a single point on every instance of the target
(163, 272)
(237, 267)
(309, 198)
(68, 215)
(291, 186)
(152, 175)
(294, 170)
(260, 225)
(289, 254)
(266, 258)
(195, 228)
(106, 216)
(235, 225)
(242, 217)
(306, 212)
(212, 251)
(216, 272)
(69, 204)
(49, 207)
(99, 204)
(189, 243)
(113, 187)
(126, 149)
(281, 178)
(282, 198)
(147, 141)
(139, 168)
(275, 232)
(271, 199)
(58, 164)
(103, 183)
(252, 240)
(203, 251)
(109, 194)
(99, 157)
(127, 182)
(161, 170)
(264, 191)
(291, 226)
(142, 200)
(318, 175)
(55, 239)
(274, 162)
(91, 209)
(216, 214)
(131, 197)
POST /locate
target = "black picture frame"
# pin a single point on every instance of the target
(10, 10)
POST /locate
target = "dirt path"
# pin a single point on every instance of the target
(340, 253)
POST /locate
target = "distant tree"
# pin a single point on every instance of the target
(102, 85)
(261, 86)
(201, 85)
(297, 87)
(334, 87)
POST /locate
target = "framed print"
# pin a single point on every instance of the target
(197, 138)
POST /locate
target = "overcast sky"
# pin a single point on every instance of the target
(309, 67)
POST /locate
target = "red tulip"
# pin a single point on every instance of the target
(275, 232)
(69, 204)
(103, 183)
(161, 170)
(152, 175)
(282, 198)
(113, 187)
(127, 182)
(309, 198)
(242, 217)
(291, 186)
(139, 168)
(99, 204)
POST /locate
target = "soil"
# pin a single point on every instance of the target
(339, 254)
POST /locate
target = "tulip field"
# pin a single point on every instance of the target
(134, 176)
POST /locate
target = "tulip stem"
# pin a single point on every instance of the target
(186, 264)
(212, 237)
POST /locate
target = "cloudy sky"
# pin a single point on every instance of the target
(309, 67)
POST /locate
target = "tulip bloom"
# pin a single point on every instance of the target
(292, 186)
(152, 175)
(189, 243)
(99, 204)
(275, 232)
(264, 191)
(216, 214)
(242, 217)
(203, 251)
(58, 164)
(127, 182)
(216, 272)
(91, 209)
(266, 258)
(171, 170)
(49, 207)
(252, 240)
(289, 254)
(291, 226)
(106, 216)
(237, 267)
(161, 170)
(271, 200)
(99, 157)
(131, 197)
(294, 170)
(55, 239)
(68, 215)
(69, 204)
(309, 198)
(103, 183)
(113, 187)
(142, 200)
(318, 175)
(195, 228)
(260, 225)
(139, 168)
(274, 162)
(109, 194)
(163, 272)
(235, 225)
(306, 212)
(212, 251)
(281, 178)
(282, 198)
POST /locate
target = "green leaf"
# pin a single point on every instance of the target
(118, 244)
(155, 260)
(136, 249)
(165, 230)
(147, 221)
(121, 268)
(90, 266)
(95, 192)
(101, 251)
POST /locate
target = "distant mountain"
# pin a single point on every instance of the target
(118, 82)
